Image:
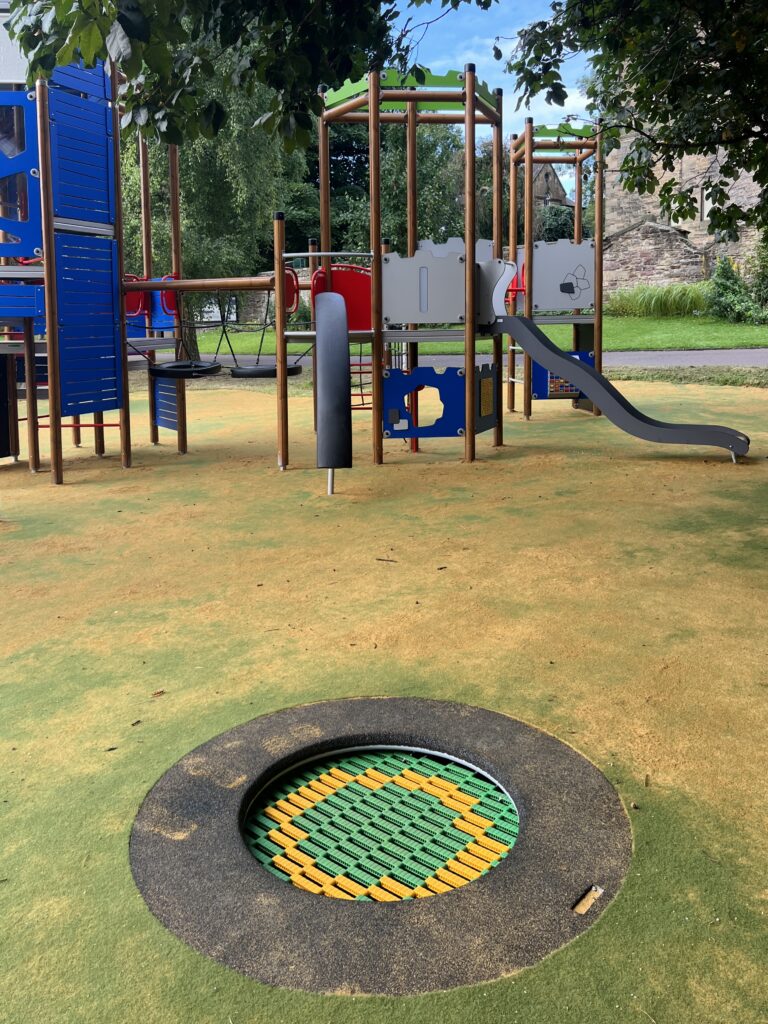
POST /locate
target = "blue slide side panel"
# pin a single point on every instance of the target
(83, 158)
(28, 231)
(166, 413)
(548, 385)
(91, 81)
(89, 327)
(398, 384)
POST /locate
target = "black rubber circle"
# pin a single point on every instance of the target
(263, 371)
(199, 878)
(184, 369)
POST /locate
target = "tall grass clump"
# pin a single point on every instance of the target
(661, 300)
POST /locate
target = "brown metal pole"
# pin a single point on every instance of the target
(146, 270)
(497, 155)
(599, 190)
(281, 351)
(264, 283)
(125, 408)
(412, 220)
(469, 263)
(511, 359)
(422, 117)
(377, 352)
(528, 258)
(76, 435)
(175, 209)
(345, 108)
(30, 377)
(313, 265)
(324, 175)
(51, 296)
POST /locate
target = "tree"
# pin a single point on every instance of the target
(439, 170)
(230, 187)
(176, 83)
(678, 79)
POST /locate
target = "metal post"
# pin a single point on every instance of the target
(30, 376)
(175, 205)
(528, 259)
(498, 233)
(146, 270)
(511, 360)
(313, 265)
(51, 296)
(412, 218)
(324, 175)
(469, 261)
(281, 352)
(377, 353)
(330, 482)
(125, 408)
(599, 188)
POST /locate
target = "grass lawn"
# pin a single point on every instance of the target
(621, 334)
(608, 591)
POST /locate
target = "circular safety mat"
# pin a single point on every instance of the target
(381, 825)
(193, 842)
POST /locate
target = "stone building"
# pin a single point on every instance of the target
(643, 247)
(548, 190)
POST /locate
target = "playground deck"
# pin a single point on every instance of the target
(146, 611)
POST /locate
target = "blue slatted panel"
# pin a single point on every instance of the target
(21, 300)
(83, 158)
(89, 331)
(165, 404)
(90, 81)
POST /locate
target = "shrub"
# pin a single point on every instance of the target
(757, 273)
(731, 298)
(660, 300)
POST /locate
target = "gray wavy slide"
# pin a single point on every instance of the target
(611, 402)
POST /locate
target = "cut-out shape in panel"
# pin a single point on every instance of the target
(14, 197)
(12, 131)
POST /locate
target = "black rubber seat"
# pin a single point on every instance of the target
(184, 369)
(263, 371)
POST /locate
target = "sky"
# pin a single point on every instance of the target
(467, 36)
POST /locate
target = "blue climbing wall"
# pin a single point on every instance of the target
(89, 323)
(87, 265)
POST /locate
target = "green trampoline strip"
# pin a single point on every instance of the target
(361, 839)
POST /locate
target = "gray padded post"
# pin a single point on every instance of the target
(334, 398)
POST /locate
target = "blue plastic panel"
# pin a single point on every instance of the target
(83, 158)
(18, 301)
(548, 385)
(398, 383)
(29, 231)
(166, 410)
(161, 321)
(89, 328)
(90, 81)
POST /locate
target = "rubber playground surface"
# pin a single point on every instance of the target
(608, 591)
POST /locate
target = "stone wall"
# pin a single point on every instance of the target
(642, 247)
